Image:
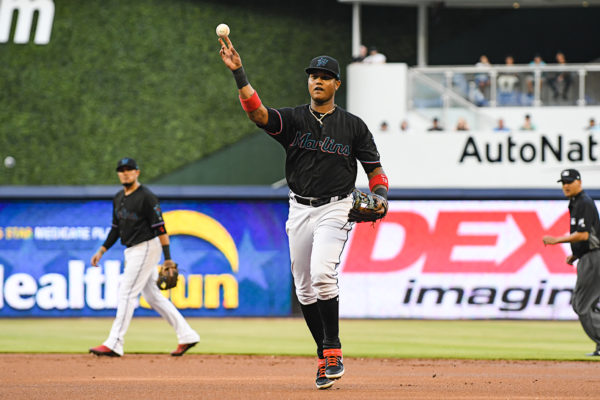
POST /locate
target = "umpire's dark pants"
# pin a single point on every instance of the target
(586, 294)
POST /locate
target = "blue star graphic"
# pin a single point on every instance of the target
(252, 262)
(28, 258)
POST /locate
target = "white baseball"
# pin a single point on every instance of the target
(9, 162)
(222, 30)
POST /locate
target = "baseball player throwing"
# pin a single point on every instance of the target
(584, 239)
(323, 143)
(137, 220)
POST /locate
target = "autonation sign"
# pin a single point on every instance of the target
(480, 160)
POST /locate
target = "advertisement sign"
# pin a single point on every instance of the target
(484, 160)
(233, 258)
(460, 259)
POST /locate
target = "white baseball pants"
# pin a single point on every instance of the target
(139, 276)
(317, 236)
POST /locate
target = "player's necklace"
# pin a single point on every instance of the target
(320, 120)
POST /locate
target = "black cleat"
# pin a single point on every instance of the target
(182, 348)
(334, 366)
(102, 350)
(322, 381)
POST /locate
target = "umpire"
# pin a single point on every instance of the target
(584, 240)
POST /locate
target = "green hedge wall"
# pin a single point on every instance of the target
(143, 78)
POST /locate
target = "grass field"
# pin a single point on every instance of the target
(511, 340)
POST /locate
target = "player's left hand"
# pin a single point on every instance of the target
(571, 259)
(167, 276)
(549, 240)
(367, 207)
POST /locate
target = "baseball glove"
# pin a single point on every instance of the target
(367, 207)
(167, 276)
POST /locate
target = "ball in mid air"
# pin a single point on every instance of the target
(222, 30)
(9, 162)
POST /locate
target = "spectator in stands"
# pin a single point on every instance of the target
(507, 85)
(375, 57)
(435, 125)
(362, 53)
(527, 124)
(461, 124)
(560, 82)
(404, 126)
(536, 62)
(384, 126)
(592, 125)
(483, 80)
(501, 127)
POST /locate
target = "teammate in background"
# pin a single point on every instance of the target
(584, 238)
(323, 143)
(137, 220)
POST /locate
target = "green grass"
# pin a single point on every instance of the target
(512, 340)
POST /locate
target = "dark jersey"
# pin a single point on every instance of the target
(584, 218)
(321, 159)
(137, 217)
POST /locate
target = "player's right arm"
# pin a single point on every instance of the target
(254, 108)
(112, 237)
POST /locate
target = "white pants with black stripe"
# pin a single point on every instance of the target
(139, 276)
(317, 236)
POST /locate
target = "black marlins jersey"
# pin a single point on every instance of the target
(136, 218)
(584, 218)
(321, 158)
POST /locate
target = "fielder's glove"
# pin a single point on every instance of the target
(367, 207)
(167, 276)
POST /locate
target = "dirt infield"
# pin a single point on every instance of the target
(193, 376)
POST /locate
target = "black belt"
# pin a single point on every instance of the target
(317, 201)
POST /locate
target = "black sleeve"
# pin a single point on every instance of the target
(274, 123)
(280, 124)
(112, 237)
(585, 216)
(365, 149)
(154, 214)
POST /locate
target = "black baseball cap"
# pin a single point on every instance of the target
(324, 63)
(127, 162)
(569, 175)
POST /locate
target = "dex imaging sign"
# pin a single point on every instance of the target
(460, 259)
(24, 12)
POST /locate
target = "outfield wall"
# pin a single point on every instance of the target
(465, 256)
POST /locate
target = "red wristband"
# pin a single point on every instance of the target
(252, 103)
(380, 179)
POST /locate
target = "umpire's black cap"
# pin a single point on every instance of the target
(127, 162)
(324, 63)
(569, 175)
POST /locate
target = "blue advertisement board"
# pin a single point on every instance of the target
(233, 258)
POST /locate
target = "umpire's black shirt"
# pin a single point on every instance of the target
(136, 218)
(584, 218)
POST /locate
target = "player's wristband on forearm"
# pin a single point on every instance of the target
(382, 192)
(166, 252)
(240, 77)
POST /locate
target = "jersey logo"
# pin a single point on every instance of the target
(581, 223)
(327, 145)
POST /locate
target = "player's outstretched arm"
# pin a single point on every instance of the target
(97, 256)
(251, 103)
